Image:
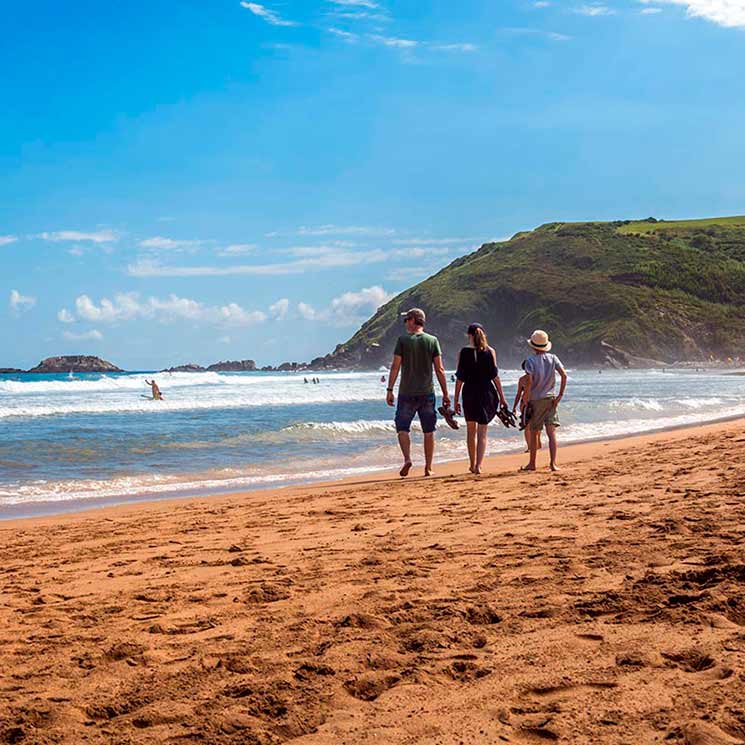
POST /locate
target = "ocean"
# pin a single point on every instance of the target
(71, 442)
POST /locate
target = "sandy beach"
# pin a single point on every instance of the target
(603, 604)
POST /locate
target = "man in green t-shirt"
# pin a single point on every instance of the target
(415, 355)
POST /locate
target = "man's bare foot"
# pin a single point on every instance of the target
(554, 467)
(428, 471)
(405, 468)
(472, 469)
(477, 470)
(527, 468)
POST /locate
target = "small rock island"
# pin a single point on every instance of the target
(79, 363)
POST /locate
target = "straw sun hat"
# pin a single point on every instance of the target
(539, 341)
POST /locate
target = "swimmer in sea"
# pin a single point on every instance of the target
(157, 395)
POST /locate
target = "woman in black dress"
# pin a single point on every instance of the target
(478, 377)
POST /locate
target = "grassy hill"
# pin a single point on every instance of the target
(606, 292)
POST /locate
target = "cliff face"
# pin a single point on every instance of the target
(618, 293)
(74, 363)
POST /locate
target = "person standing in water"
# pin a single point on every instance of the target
(157, 395)
(478, 377)
(415, 355)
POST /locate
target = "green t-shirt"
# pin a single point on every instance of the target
(417, 352)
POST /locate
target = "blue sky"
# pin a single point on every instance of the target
(193, 181)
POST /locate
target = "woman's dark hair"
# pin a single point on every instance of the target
(477, 333)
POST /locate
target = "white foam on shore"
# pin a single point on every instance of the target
(196, 403)
(136, 381)
(126, 394)
(449, 448)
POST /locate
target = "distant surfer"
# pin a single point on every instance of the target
(157, 395)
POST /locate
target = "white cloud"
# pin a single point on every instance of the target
(91, 335)
(64, 316)
(338, 248)
(160, 242)
(7, 239)
(553, 35)
(346, 35)
(307, 311)
(270, 16)
(594, 10)
(127, 306)
(461, 47)
(76, 251)
(361, 15)
(366, 301)
(371, 4)
(279, 310)
(541, 4)
(395, 42)
(410, 274)
(224, 340)
(432, 241)
(418, 252)
(348, 308)
(650, 11)
(727, 13)
(340, 230)
(20, 303)
(327, 260)
(410, 44)
(237, 249)
(99, 236)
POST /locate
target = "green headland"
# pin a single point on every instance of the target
(625, 293)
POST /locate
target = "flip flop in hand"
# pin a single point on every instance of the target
(449, 416)
(506, 417)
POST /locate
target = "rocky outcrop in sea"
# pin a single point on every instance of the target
(81, 363)
(233, 366)
(189, 367)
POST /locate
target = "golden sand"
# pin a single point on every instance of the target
(603, 604)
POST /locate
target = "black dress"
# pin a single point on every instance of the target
(477, 369)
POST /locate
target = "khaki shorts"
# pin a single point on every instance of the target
(543, 412)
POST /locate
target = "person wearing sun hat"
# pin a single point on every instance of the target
(542, 367)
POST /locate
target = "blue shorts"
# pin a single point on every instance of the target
(409, 406)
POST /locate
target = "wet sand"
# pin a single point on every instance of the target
(603, 604)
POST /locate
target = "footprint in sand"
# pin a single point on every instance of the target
(369, 686)
(704, 733)
(589, 637)
(690, 660)
(536, 728)
(557, 692)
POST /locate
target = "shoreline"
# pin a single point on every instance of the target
(508, 462)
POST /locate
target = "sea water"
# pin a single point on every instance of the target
(87, 440)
